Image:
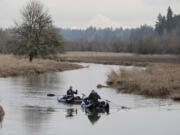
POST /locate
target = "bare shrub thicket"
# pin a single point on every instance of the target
(149, 44)
(159, 80)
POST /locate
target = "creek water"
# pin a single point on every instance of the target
(29, 111)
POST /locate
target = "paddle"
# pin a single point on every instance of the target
(107, 100)
(52, 95)
(122, 107)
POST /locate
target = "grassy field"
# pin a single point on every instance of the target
(157, 80)
(118, 58)
(15, 66)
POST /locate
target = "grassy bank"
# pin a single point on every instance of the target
(13, 66)
(1, 113)
(117, 58)
(158, 80)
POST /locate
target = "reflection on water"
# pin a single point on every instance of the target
(29, 111)
(71, 112)
(35, 118)
(93, 115)
(39, 83)
(1, 120)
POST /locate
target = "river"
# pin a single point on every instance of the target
(29, 111)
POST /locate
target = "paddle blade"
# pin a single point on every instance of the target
(50, 95)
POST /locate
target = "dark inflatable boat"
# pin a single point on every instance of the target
(69, 100)
(102, 106)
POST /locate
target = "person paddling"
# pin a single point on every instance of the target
(93, 97)
(70, 92)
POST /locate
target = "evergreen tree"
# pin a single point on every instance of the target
(170, 21)
(160, 24)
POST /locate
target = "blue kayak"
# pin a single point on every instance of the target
(102, 106)
(69, 100)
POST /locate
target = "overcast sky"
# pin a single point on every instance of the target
(100, 13)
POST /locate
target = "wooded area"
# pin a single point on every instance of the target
(163, 39)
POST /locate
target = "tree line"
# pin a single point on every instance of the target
(168, 23)
(163, 39)
(93, 33)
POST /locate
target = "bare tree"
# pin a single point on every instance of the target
(36, 34)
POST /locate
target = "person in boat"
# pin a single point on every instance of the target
(71, 92)
(94, 97)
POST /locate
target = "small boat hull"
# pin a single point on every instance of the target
(69, 100)
(102, 107)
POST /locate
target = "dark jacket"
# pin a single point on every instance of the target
(71, 92)
(93, 97)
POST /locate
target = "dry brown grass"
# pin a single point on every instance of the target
(94, 54)
(1, 113)
(117, 58)
(176, 96)
(13, 66)
(159, 80)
